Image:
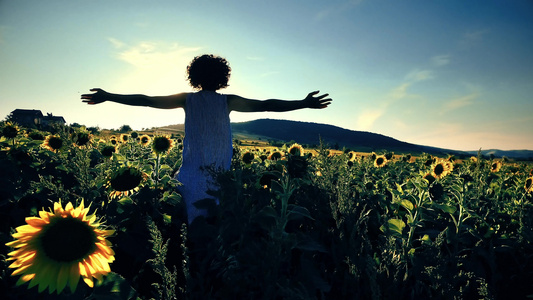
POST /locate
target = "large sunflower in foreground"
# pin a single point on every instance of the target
(441, 168)
(59, 247)
(125, 181)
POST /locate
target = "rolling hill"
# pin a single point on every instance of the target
(333, 136)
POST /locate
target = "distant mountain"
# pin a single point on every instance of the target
(312, 133)
(520, 154)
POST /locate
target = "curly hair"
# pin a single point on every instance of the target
(208, 72)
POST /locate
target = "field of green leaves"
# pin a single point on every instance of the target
(291, 224)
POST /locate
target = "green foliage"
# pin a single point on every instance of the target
(316, 226)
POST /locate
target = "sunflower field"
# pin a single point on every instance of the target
(88, 216)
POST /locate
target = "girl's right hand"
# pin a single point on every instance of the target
(96, 98)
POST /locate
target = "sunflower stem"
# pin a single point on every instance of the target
(157, 164)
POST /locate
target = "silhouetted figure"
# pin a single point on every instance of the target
(207, 142)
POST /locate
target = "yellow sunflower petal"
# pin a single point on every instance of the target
(88, 281)
(44, 214)
(105, 249)
(25, 278)
(103, 262)
(14, 244)
(57, 208)
(36, 222)
(95, 263)
(69, 207)
(27, 229)
(20, 270)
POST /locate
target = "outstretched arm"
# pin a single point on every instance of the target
(172, 101)
(238, 103)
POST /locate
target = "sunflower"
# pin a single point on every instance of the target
(529, 185)
(53, 143)
(145, 140)
(248, 157)
(124, 138)
(495, 166)
(380, 161)
(429, 177)
(10, 130)
(352, 156)
(441, 168)
(58, 247)
(81, 138)
(108, 150)
(436, 191)
(276, 155)
(296, 149)
(162, 144)
(113, 141)
(125, 181)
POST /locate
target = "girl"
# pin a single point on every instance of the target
(207, 142)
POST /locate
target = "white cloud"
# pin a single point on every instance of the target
(116, 43)
(400, 91)
(440, 60)
(419, 75)
(150, 55)
(159, 67)
(367, 118)
(459, 102)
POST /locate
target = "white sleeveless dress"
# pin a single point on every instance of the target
(207, 143)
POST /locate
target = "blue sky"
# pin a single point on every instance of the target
(454, 74)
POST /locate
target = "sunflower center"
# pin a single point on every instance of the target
(126, 181)
(68, 239)
(439, 169)
(161, 144)
(55, 143)
(379, 161)
(10, 132)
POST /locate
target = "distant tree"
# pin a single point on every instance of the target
(125, 128)
(93, 130)
(76, 125)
